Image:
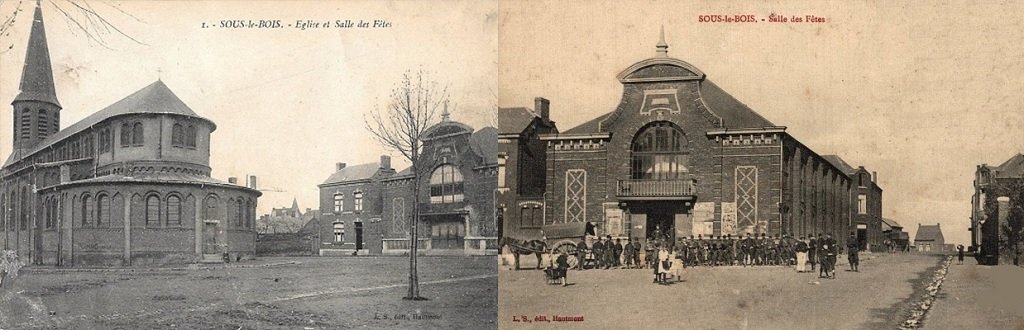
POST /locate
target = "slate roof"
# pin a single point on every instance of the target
(155, 98)
(891, 223)
(839, 163)
(514, 120)
(1012, 168)
(928, 233)
(734, 113)
(353, 173)
(37, 75)
(484, 143)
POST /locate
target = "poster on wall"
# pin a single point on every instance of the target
(728, 218)
(613, 219)
(704, 219)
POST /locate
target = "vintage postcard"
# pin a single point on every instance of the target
(760, 165)
(239, 165)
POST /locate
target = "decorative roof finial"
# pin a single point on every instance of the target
(445, 113)
(662, 46)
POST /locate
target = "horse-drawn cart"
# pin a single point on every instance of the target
(563, 237)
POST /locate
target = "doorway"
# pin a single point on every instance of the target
(210, 238)
(862, 236)
(359, 235)
(447, 235)
(661, 226)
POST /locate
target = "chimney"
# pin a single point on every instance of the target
(233, 180)
(339, 166)
(252, 182)
(385, 162)
(874, 177)
(541, 105)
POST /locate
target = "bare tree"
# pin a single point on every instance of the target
(79, 15)
(400, 126)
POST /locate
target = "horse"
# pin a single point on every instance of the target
(517, 247)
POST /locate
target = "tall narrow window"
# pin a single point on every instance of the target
(173, 210)
(177, 136)
(250, 214)
(103, 209)
(42, 125)
(126, 135)
(26, 124)
(88, 211)
(137, 137)
(190, 136)
(55, 122)
(152, 211)
(862, 204)
(240, 215)
(358, 196)
(339, 203)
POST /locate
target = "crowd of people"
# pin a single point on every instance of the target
(667, 258)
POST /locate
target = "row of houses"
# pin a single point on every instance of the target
(677, 157)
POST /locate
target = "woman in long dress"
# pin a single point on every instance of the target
(664, 264)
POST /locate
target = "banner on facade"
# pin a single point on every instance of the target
(728, 218)
(613, 219)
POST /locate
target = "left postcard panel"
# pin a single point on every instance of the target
(223, 164)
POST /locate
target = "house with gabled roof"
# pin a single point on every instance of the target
(929, 239)
(991, 183)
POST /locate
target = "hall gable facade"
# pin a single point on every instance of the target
(680, 157)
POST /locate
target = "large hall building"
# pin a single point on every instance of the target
(677, 157)
(127, 185)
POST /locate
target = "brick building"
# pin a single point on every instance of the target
(129, 184)
(989, 214)
(679, 156)
(929, 239)
(456, 199)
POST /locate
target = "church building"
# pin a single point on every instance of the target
(127, 185)
(678, 157)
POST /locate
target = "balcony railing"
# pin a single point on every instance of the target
(657, 189)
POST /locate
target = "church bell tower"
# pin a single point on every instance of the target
(36, 109)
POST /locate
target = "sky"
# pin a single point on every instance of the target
(288, 103)
(920, 93)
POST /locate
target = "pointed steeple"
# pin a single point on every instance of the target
(445, 114)
(37, 75)
(662, 46)
(295, 203)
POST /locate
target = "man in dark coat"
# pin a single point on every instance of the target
(851, 253)
(627, 253)
(581, 253)
(636, 253)
(598, 251)
(617, 253)
(801, 255)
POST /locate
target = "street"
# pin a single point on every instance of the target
(979, 297)
(732, 297)
(269, 293)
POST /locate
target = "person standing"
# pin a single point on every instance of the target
(562, 267)
(581, 253)
(636, 253)
(829, 248)
(664, 265)
(627, 253)
(801, 255)
(598, 253)
(851, 253)
(960, 254)
(609, 250)
(812, 251)
(617, 253)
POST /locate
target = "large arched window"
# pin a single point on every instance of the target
(240, 215)
(177, 136)
(103, 210)
(137, 137)
(659, 153)
(446, 185)
(173, 210)
(152, 210)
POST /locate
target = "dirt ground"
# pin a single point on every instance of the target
(719, 298)
(979, 297)
(314, 293)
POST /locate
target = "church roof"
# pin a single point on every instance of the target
(1012, 168)
(37, 75)
(839, 163)
(159, 177)
(155, 98)
(353, 173)
(928, 233)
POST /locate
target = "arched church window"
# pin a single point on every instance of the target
(177, 136)
(173, 210)
(126, 135)
(152, 210)
(88, 211)
(42, 125)
(659, 153)
(190, 137)
(446, 185)
(26, 124)
(103, 210)
(137, 137)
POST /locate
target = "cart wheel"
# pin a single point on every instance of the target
(570, 250)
